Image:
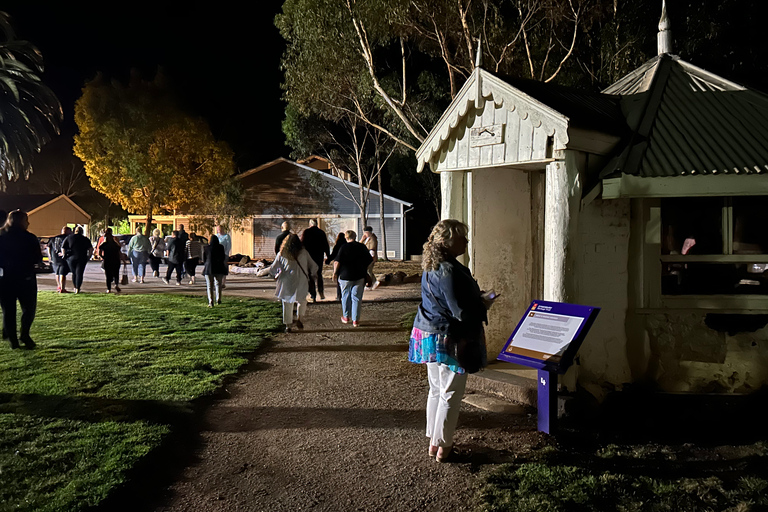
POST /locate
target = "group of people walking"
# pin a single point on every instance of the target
(70, 252)
(298, 268)
(452, 304)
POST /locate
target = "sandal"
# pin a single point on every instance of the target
(443, 454)
(433, 451)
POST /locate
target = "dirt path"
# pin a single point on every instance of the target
(333, 420)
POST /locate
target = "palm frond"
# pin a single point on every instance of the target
(29, 110)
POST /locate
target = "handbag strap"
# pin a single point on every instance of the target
(302, 269)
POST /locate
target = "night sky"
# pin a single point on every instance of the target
(223, 60)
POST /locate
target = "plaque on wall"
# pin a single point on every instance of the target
(486, 135)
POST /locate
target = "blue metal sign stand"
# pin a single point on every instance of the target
(550, 365)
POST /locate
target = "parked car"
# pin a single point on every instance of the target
(45, 266)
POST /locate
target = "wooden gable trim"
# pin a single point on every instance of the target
(481, 88)
(55, 199)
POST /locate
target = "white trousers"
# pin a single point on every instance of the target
(288, 311)
(446, 389)
(213, 286)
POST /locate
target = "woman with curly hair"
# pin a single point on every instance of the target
(292, 268)
(451, 305)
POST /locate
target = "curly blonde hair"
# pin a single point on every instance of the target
(439, 241)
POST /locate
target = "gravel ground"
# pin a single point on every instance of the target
(332, 419)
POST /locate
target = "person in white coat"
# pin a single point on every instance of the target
(292, 267)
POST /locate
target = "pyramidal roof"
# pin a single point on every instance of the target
(685, 120)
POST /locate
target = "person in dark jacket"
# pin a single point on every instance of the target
(19, 252)
(214, 270)
(77, 250)
(349, 270)
(279, 240)
(340, 241)
(109, 250)
(451, 304)
(58, 263)
(316, 243)
(177, 254)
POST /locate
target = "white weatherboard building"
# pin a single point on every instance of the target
(645, 200)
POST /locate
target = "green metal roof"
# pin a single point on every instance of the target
(687, 121)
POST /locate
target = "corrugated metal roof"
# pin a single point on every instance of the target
(584, 109)
(687, 121)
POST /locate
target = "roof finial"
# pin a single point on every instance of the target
(479, 54)
(664, 37)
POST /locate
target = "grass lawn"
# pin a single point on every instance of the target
(103, 387)
(639, 478)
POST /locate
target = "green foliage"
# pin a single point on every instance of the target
(144, 153)
(28, 109)
(49, 465)
(123, 227)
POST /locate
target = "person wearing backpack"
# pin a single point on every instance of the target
(56, 257)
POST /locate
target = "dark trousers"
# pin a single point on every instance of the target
(315, 289)
(179, 270)
(190, 265)
(154, 261)
(78, 270)
(25, 291)
(112, 273)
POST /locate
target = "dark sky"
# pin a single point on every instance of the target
(222, 59)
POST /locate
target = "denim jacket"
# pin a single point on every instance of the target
(450, 299)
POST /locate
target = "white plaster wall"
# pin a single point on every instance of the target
(602, 280)
(689, 356)
(501, 247)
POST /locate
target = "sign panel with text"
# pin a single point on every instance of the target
(549, 335)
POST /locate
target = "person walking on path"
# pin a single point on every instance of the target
(177, 253)
(214, 270)
(349, 270)
(279, 240)
(195, 256)
(183, 235)
(316, 243)
(138, 251)
(371, 242)
(226, 242)
(292, 269)
(109, 251)
(451, 305)
(56, 257)
(77, 250)
(341, 239)
(19, 252)
(156, 251)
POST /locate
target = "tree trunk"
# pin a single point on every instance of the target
(148, 225)
(383, 229)
(363, 207)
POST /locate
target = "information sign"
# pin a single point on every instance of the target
(547, 338)
(549, 333)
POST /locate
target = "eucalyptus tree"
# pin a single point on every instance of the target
(29, 111)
